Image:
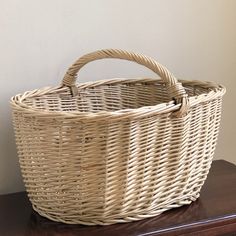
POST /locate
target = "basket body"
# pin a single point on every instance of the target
(117, 150)
(104, 170)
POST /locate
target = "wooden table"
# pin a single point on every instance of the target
(214, 213)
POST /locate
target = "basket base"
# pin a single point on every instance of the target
(108, 220)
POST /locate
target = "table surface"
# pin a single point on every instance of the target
(214, 213)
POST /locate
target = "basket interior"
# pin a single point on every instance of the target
(111, 97)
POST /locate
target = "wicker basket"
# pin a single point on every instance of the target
(116, 150)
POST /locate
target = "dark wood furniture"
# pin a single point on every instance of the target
(214, 213)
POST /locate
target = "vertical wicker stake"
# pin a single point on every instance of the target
(116, 150)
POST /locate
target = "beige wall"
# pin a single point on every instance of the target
(195, 39)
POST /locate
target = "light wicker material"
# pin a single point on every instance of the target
(116, 150)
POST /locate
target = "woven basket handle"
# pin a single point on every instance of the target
(174, 88)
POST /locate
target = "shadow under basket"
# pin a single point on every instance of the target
(116, 150)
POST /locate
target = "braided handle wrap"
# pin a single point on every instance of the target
(174, 88)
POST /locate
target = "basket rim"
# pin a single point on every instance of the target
(217, 90)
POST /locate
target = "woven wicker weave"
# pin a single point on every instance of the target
(116, 150)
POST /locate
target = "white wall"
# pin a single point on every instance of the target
(195, 39)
